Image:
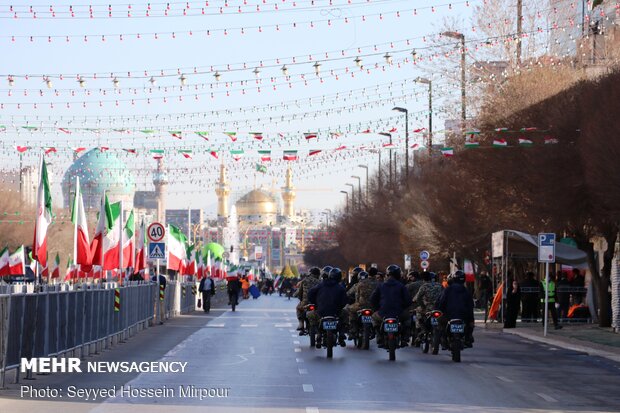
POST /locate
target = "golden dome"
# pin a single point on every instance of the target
(256, 202)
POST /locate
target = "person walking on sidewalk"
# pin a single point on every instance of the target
(552, 298)
(513, 301)
(530, 292)
(207, 288)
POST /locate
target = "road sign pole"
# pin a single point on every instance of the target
(546, 297)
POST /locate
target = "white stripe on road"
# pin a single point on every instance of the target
(249, 325)
(303, 371)
(312, 410)
(215, 325)
(547, 397)
(506, 379)
(308, 388)
(296, 342)
(282, 325)
(299, 360)
(297, 350)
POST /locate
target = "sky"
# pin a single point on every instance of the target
(346, 98)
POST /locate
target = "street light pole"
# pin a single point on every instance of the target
(367, 183)
(430, 109)
(347, 201)
(352, 195)
(461, 37)
(406, 112)
(359, 192)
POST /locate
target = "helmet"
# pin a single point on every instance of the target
(325, 272)
(357, 270)
(393, 271)
(363, 275)
(315, 272)
(428, 276)
(414, 275)
(459, 277)
(372, 271)
(335, 274)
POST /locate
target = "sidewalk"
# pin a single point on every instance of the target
(587, 338)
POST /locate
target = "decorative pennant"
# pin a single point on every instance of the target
(237, 154)
(130, 150)
(265, 155)
(203, 135)
(50, 150)
(257, 135)
(525, 142)
(447, 152)
(176, 134)
(261, 168)
(313, 152)
(290, 156)
(187, 153)
(232, 136)
(500, 143)
(550, 141)
(310, 135)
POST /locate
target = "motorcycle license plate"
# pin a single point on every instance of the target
(434, 321)
(457, 328)
(390, 328)
(366, 319)
(330, 325)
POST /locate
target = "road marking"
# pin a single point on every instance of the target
(296, 342)
(299, 360)
(547, 397)
(282, 325)
(303, 371)
(249, 325)
(312, 410)
(506, 379)
(215, 325)
(297, 350)
(308, 388)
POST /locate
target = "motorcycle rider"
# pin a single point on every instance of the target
(391, 299)
(426, 297)
(361, 293)
(305, 285)
(354, 278)
(414, 282)
(456, 302)
(330, 298)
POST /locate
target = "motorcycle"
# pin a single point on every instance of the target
(363, 332)
(390, 330)
(327, 334)
(308, 329)
(431, 332)
(455, 333)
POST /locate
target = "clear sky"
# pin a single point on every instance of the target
(357, 100)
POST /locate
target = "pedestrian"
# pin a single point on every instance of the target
(513, 302)
(530, 291)
(207, 288)
(564, 289)
(485, 289)
(551, 293)
(578, 283)
(245, 286)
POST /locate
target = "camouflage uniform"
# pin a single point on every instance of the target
(425, 299)
(413, 287)
(361, 292)
(302, 293)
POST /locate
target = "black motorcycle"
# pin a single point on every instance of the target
(327, 334)
(308, 329)
(429, 332)
(363, 332)
(455, 333)
(390, 331)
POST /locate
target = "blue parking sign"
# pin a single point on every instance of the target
(546, 247)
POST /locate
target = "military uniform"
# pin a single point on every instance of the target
(302, 293)
(425, 299)
(361, 292)
(414, 286)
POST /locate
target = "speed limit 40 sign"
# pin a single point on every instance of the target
(155, 232)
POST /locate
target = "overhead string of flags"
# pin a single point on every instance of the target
(524, 137)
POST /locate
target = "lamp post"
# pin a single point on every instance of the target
(352, 195)
(406, 112)
(428, 82)
(328, 214)
(389, 135)
(367, 183)
(347, 201)
(461, 37)
(359, 191)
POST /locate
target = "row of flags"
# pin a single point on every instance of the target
(500, 143)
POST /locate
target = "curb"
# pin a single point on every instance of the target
(569, 346)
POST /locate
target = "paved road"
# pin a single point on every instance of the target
(255, 357)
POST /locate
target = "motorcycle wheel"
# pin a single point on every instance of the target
(312, 334)
(436, 340)
(357, 340)
(329, 342)
(425, 344)
(456, 350)
(392, 346)
(366, 337)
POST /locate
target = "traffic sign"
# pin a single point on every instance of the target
(155, 232)
(424, 264)
(157, 250)
(424, 255)
(546, 247)
(407, 262)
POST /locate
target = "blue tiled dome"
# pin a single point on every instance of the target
(98, 171)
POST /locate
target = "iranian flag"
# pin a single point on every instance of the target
(71, 272)
(265, 156)
(200, 265)
(208, 269)
(447, 152)
(257, 135)
(56, 267)
(140, 249)
(313, 152)
(525, 142)
(472, 144)
(290, 155)
(129, 242)
(237, 154)
(500, 143)
(111, 240)
(203, 135)
(190, 267)
(96, 248)
(17, 262)
(231, 135)
(81, 242)
(310, 135)
(44, 217)
(177, 250)
(4, 262)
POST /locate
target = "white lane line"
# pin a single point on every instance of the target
(249, 325)
(308, 388)
(296, 342)
(506, 379)
(282, 325)
(547, 397)
(312, 410)
(299, 360)
(215, 325)
(297, 350)
(303, 371)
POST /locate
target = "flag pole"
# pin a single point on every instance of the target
(120, 245)
(75, 218)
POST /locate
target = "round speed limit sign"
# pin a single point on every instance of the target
(155, 232)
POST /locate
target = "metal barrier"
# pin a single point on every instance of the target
(54, 320)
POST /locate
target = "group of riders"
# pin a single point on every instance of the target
(394, 298)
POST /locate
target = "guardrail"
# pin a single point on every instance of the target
(77, 320)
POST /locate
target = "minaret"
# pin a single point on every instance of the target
(222, 190)
(160, 180)
(288, 195)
